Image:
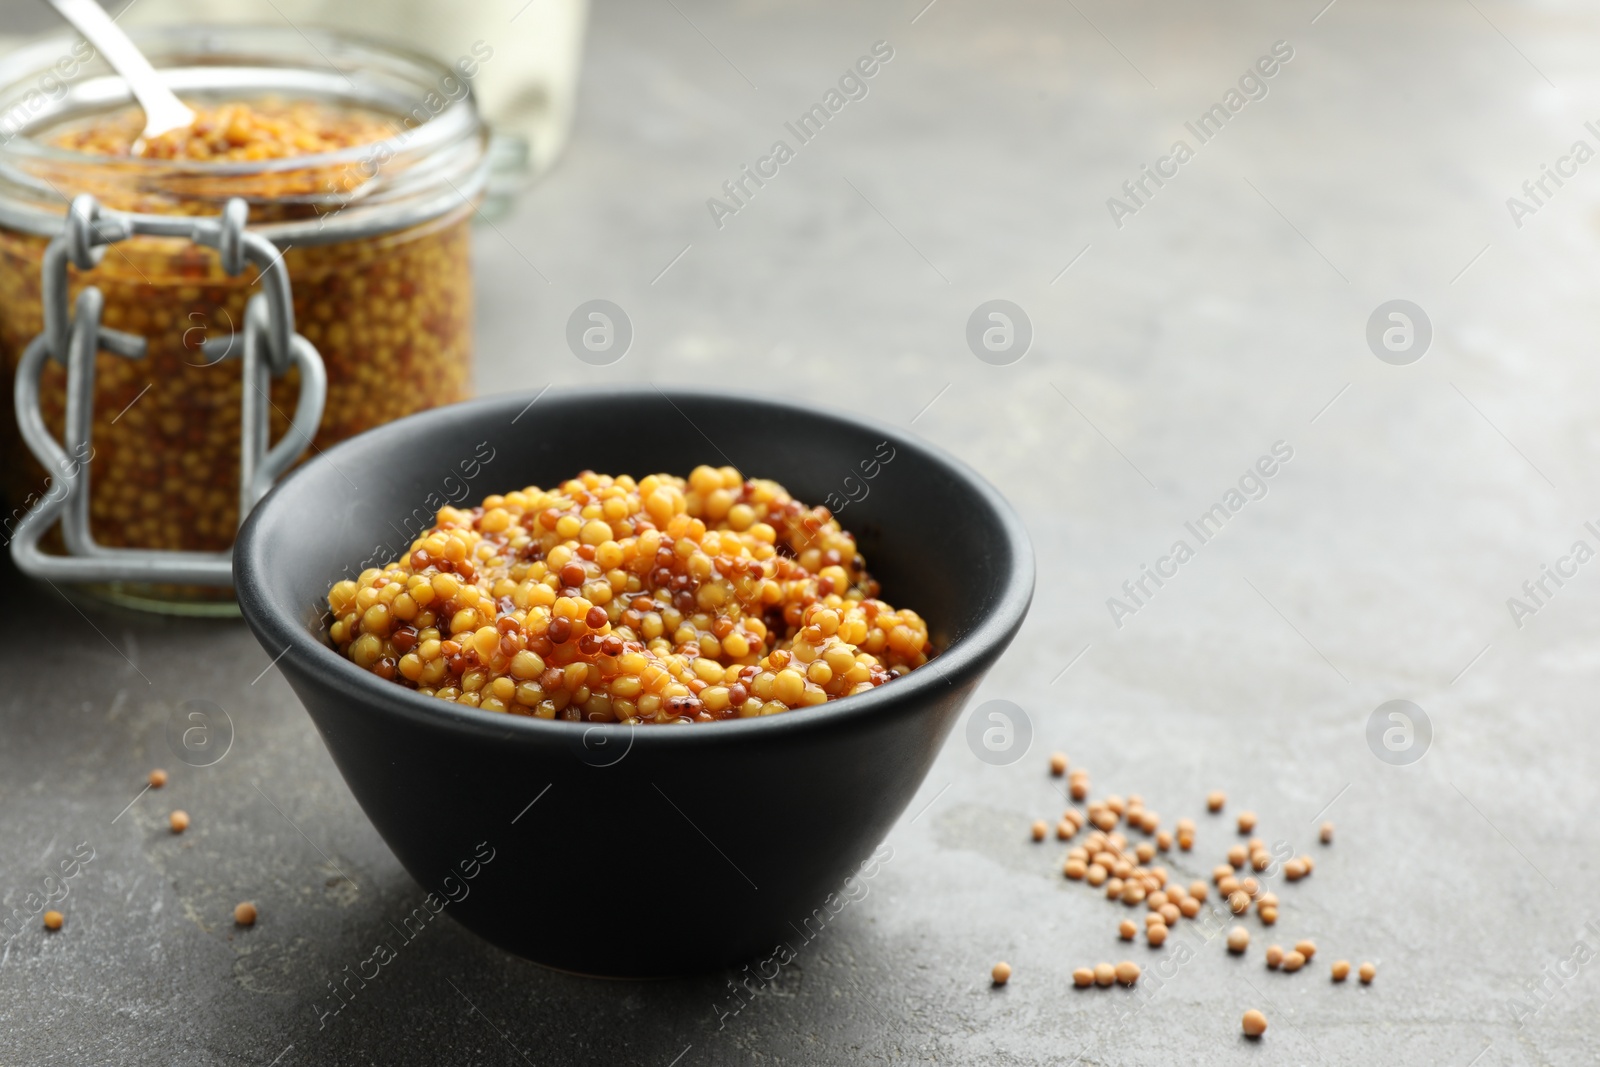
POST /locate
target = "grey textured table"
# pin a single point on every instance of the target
(1228, 312)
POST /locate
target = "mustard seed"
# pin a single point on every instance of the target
(1095, 875)
(1083, 977)
(1238, 902)
(1159, 874)
(1104, 818)
(158, 778)
(1116, 804)
(1171, 912)
(1149, 821)
(1145, 851)
(1260, 860)
(1221, 871)
(1198, 890)
(1185, 826)
(1039, 829)
(53, 920)
(245, 914)
(1236, 856)
(1001, 973)
(1326, 833)
(1308, 863)
(1368, 972)
(1058, 763)
(1228, 886)
(1117, 841)
(1104, 974)
(1156, 935)
(1164, 840)
(1306, 948)
(1074, 869)
(1186, 839)
(1238, 939)
(1254, 1023)
(1274, 956)
(1064, 830)
(1127, 972)
(179, 821)
(1155, 900)
(1189, 906)
(1293, 961)
(1215, 799)
(1132, 893)
(1247, 821)
(1127, 930)
(1251, 887)
(1078, 788)
(1341, 970)
(1294, 870)
(1113, 888)
(1268, 914)
(1267, 900)
(1151, 918)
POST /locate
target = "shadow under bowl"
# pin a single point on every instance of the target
(634, 851)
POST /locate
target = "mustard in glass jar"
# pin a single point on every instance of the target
(360, 164)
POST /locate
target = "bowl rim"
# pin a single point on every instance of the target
(303, 648)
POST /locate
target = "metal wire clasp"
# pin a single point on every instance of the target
(270, 348)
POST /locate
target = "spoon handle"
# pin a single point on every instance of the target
(163, 111)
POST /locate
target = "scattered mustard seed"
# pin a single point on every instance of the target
(245, 914)
(1293, 961)
(1255, 1024)
(1156, 934)
(1341, 970)
(1238, 939)
(1306, 948)
(1001, 973)
(53, 920)
(158, 778)
(1039, 829)
(179, 821)
(1327, 833)
(1274, 956)
(1247, 821)
(1083, 977)
(1215, 800)
(1058, 763)
(1104, 974)
(1368, 972)
(1127, 972)
(1128, 930)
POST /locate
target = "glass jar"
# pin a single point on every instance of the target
(375, 238)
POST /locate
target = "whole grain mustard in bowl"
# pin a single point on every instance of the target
(705, 841)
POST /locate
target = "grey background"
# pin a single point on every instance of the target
(1227, 315)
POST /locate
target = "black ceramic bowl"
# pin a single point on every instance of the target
(656, 850)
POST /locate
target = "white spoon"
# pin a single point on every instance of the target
(163, 111)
